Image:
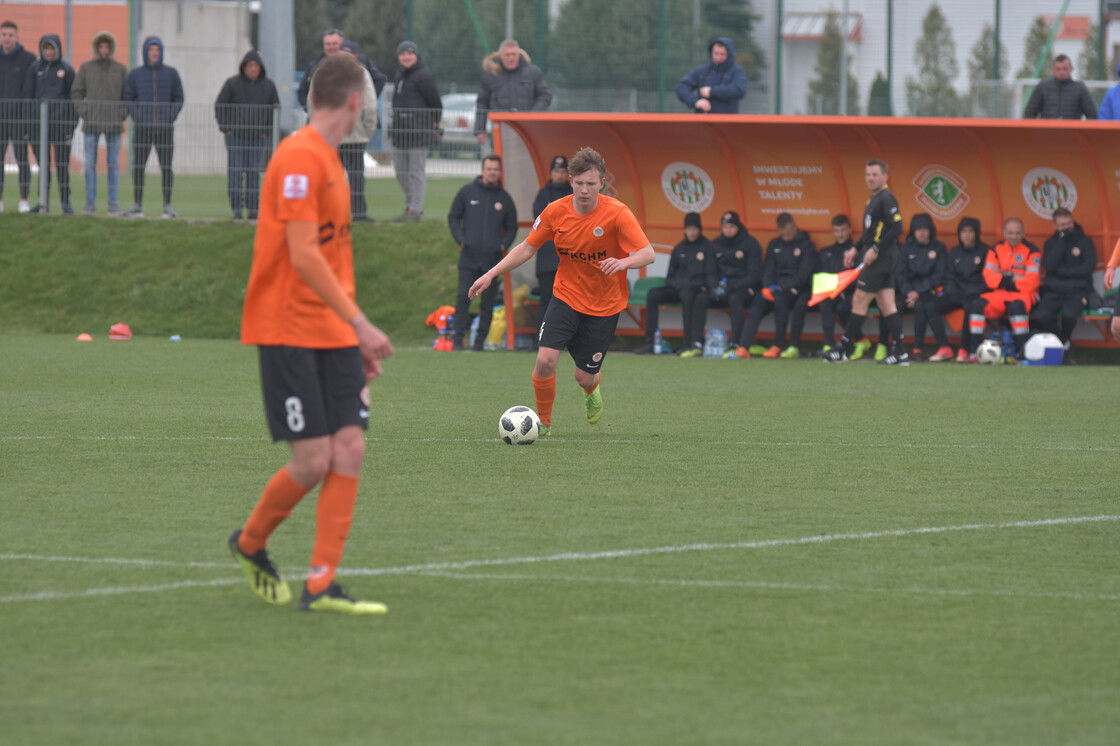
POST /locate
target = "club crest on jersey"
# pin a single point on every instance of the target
(596, 357)
(598, 232)
(537, 223)
(295, 186)
(739, 254)
(932, 254)
(797, 252)
(498, 206)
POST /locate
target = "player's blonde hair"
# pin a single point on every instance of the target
(586, 160)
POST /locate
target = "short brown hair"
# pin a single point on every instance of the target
(784, 219)
(586, 160)
(841, 219)
(493, 157)
(876, 162)
(334, 79)
(9, 24)
(1061, 212)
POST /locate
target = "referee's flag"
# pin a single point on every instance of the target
(830, 285)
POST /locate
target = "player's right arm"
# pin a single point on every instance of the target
(306, 258)
(517, 256)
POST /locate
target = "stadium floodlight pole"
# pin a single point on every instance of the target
(1101, 20)
(844, 61)
(408, 8)
(890, 55)
(662, 14)
(778, 60)
(69, 30)
(509, 19)
(477, 26)
(996, 74)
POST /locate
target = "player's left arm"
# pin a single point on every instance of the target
(634, 260)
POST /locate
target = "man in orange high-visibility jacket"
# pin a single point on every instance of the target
(1013, 272)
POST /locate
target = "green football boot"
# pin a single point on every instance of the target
(593, 405)
(264, 579)
(334, 599)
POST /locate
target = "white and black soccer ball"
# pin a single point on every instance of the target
(989, 352)
(519, 426)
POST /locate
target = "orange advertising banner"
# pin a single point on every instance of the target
(665, 165)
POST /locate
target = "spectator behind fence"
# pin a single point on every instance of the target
(1110, 107)
(15, 61)
(734, 276)
(919, 279)
(787, 286)
(483, 221)
(1012, 274)
(1060, 97)
(833, 260)
(332, 45)
(244, 110)
(154, 94)
(717, 86)
(353, 148)
(98, 91)
(1069, 258)
(548, 261)
(416, 113)
(51, 81)
(510, 82)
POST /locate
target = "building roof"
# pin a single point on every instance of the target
(810, 26)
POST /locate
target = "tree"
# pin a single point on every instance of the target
(310, 20)
(1037, 36)
(824, 90)
(932, 94)
(615, 45)
(377, 27)
(878, 102)
(989, 97)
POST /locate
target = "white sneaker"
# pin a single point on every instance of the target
(169, 212)
(23, 206)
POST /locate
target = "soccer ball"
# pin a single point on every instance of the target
(519, 426)
(989, 352)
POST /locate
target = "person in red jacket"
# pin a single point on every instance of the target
(1013, 272)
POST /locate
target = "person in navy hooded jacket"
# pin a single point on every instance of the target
(50, 79)
(715, 87)
(153, 93)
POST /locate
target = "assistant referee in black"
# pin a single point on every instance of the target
(882, 225)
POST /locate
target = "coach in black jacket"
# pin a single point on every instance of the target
(483, 221)
(1060, 97)
(15, 62)
(1069, 259)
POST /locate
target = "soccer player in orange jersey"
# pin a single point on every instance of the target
(317, 349)
(598, 239)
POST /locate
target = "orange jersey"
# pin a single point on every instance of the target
(305, 181)
(1023, 262)
(582, 241)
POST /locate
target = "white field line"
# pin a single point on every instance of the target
(452, 567)
(621, 441)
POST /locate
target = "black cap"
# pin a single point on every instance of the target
(349, 46)
(730, 217)
(407, 46)
(693, 219)
(559, 162)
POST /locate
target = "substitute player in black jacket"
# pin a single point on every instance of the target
(920, 277)
(686, 278)
(882, 225)
(548, 261)
(834, 259)
(734, 276)
(1069, 258)
(787, 284)
(483, 221)
(964, 282)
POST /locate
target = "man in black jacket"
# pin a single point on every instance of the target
(964, 282)
(15, 62)
(919, 279)
(483, 221)
(51, 79)
(332, 45)
(416, 113)
(734, 276)
(548, 261)
(685, 279)
(1060, 97)
(1069, 258)
(244, 110)
(787, 284)
(510, 82)
(833, 260)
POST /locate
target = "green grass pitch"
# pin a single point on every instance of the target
(746, 552)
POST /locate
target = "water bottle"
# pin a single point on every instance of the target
(657, 342)
(710, 343)
(721, 342)
(721, 288)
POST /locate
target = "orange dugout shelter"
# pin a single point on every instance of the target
(664, 165)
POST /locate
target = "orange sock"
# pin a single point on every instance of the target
(333, 517)
(280, 496)
(545, 391)
(591, 389)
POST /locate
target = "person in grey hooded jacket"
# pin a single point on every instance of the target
(716, 87)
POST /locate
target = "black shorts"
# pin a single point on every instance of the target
(880, 275)
(585, 337)
(312, 393)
